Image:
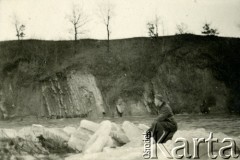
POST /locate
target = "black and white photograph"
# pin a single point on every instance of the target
(119, 79)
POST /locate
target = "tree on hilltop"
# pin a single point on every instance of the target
(154, 26)
(19, 27)
(78, 19)
(106, 13)
(207, 30)
(182, 28)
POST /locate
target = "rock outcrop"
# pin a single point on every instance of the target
(86, 96)
(68, 95)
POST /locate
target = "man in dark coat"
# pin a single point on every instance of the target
(165, 124)
(204, 108)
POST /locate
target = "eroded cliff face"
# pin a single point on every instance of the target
(74, 94)
(85, 93)
(186, 89)
(52, 79)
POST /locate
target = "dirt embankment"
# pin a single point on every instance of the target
(68, 79)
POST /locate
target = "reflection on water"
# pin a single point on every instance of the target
(228, 124)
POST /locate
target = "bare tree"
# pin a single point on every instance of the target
(182, 28)
(78, 19)
(154, 25)
(20, 28)
(106, 12)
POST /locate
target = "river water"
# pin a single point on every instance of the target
(228, 124)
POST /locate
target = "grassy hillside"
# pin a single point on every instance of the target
(186, 69)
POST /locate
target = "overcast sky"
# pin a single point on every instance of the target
(46, 19)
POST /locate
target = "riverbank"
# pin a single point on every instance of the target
(228, 124)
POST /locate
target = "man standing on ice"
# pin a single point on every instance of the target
(164, 127)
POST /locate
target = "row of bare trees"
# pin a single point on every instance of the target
(79, 19)
(157, 23)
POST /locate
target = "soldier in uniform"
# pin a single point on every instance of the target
(165, 124)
